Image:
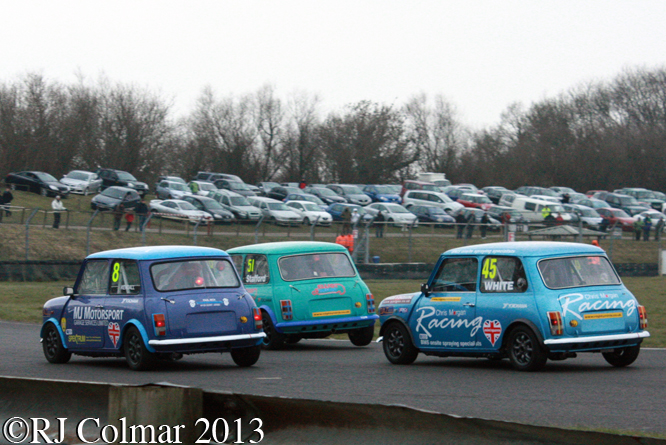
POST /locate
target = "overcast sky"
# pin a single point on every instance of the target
(481, 55)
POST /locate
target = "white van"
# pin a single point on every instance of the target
(430, 199)
(532, 209)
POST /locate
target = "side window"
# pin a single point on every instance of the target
(503, 275)
(95, 278)
(238, 262)
(456, 275)
(125, 278)
(530, 206)
(256, 270)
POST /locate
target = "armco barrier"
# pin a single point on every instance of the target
(132, 411)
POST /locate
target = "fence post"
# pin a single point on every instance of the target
(27, 233)
(256, 229)
(67, 221)
(88, 231)
(143, 229)
(312, 228)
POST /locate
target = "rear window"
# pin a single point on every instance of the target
(194, 274)
(316, 265)
(561, 273)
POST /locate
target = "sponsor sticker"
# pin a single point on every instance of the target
(385, 310)
(445, 299)
(330, 313)
(602, 316)
(114, 333)
(399, 299)
(492, 329)
(330, 288)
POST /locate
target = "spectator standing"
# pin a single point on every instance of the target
(142, 212)
(470, 225)
(355, 217)
(485, 220)
(346, 221)
(647, 225)
(129, 217)
(6, 200)
(379, 225)
(658, 228)
(460, 225)
(57, 207)
(638, 228)
(302, 184)
(194, 187)
(566, 198)
(118, 213)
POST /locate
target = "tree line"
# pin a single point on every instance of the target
(599, 135)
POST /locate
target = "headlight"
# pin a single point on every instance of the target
(383, 199)
(129, 184)
(53, 187)
(242, 214)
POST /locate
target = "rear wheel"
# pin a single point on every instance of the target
(273, 339)
(54, 350)
(623, 356)
(524, 350)
(245, 357)
(398, 346)
(139, 358)
(362, 337)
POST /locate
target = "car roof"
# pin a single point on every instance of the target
(158, 252)
(289, 247)
(528, 248)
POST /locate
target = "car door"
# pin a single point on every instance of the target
(123, 302)
(446, 318)
(504, 295)
(84, 320)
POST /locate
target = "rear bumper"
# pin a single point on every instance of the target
(205, 340)
(596, 342)
(338, 324)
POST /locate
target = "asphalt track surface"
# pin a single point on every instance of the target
(584, 392)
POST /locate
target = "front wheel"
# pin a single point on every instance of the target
(139, 358)
(273, 339)
(54, 350)
(43, 192)
(362, 337)
(524, 350)
(623, 356)
(86, 191)
(398, 346)
(245, 357)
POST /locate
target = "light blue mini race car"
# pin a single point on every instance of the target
(525, 301)
(151, 303)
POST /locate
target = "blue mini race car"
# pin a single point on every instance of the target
(525, 301)
(150, 303)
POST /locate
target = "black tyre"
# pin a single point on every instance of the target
(362, 337)
(13, 186)
(623, 356)
(245, 357)
(86, 191)
(524, 350)
(54, 350)
(273, 339)
(398, 346)
(139, 358)
(43, 191)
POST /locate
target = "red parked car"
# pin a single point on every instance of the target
(618, 216)
(475, 200)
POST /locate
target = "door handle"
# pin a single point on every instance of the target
(469, 304)
(291, 286)
(99, 306)
(168, 300)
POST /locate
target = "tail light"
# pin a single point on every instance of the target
(160, 324)
(370, 302)
(287, 311)
(642, 317)
(258, 323)
(555, 321)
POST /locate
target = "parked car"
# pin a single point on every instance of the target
(161, 178)
(351, 193)
(212, 207)
(654, 215)
(119, 178)
(494, 193)
(381, 193)
(237, 204)
(205, 188)
(529, 302)
(456, 191)
(624, 202)
(112, 196)
(418, 185)
(306, 290)
(593, 203)
(432, 214)
(212, 177)
(310, 212)
(281, 192)
(276, 211)
(493, 224)
(475, 200)
(82, 182)
(534, 190)
(36, 182)
(618, 218)
(179, 210)
(336, 211)
(589, 217)
(306, 197)
(172, 190)
(427, 198)
(325, 194)
(394, 214)
(506, 214)
(265, 187)
(644, 197)
(507, 198)
(563, 190)
(235, 186)
(159, 302)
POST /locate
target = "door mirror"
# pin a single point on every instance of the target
(68, 291)
(425, 289)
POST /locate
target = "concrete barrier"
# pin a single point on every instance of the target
(128, 410)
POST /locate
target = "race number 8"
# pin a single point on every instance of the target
(489, 268)
(116, 273)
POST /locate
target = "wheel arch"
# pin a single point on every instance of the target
(393, 320)
(522, 322)
(271, 314)
(54, 322)
(142, 331)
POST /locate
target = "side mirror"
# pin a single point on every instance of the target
(425, 289)
(68, 291)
